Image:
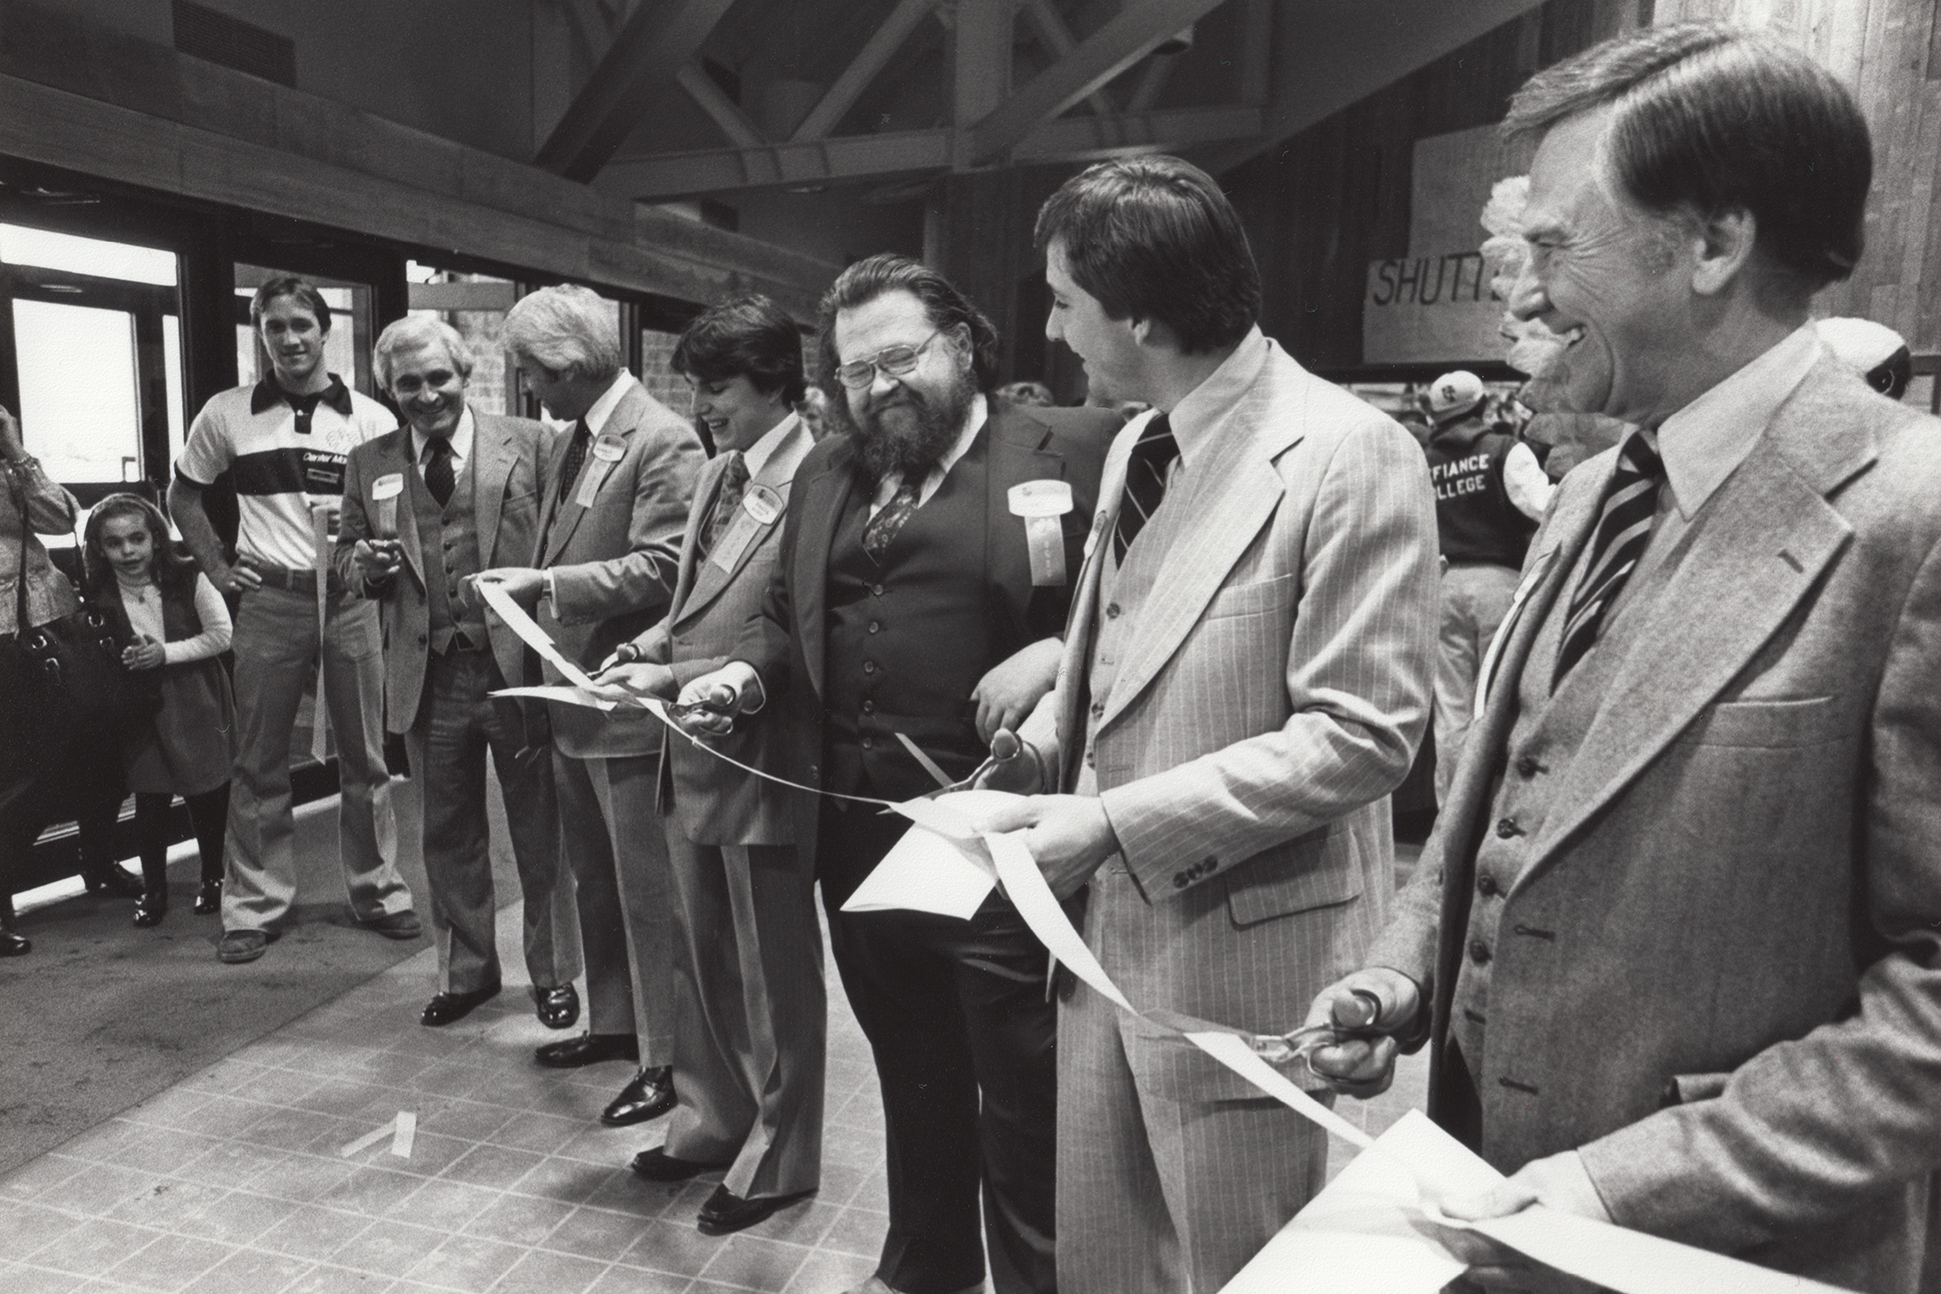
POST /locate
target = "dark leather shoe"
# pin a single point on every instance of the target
(14, 945)
(587, 1049)
(558, 1007)
(725, 1211)
(208, 899)
(151, 909)
(396, 925)
(114, 879)
(657, 1165)
(447, 1007)
(648, 1095)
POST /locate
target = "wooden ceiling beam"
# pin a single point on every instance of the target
(1124, 40)
(870, 60)
(724, 112)
(664, 177)
(661, 177)
(656, 40)
(1058, 38)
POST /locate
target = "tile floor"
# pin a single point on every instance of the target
(232, 1182)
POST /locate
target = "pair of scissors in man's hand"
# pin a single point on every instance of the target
(1302, 1043)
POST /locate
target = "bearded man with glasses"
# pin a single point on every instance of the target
(926, 565)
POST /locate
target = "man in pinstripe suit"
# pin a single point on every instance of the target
(1246, 677)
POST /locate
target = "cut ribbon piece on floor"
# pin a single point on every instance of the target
(403, 1132)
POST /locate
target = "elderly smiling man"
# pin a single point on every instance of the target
(1676, 943)
(426, 508)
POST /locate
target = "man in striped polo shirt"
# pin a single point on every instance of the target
(284, 442)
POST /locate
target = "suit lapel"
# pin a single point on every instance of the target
(1236, 482)
(492, 459)
(825, 495)
(1759, 547)
(708, 579)
(621, 423)
(396, 457)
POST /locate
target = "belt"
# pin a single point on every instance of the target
(282, 577)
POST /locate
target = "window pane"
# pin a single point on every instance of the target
(95, 256)
(79, 411)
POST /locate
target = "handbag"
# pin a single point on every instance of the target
(67, 703)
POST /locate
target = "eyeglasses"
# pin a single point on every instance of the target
(894, 361)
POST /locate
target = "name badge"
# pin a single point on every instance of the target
(1041, 504)
(1040, 498)
(389, 486)
(607, 450)
(763, 504)
(734, 540)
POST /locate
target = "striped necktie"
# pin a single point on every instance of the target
(1623, 529)
(1152, 457)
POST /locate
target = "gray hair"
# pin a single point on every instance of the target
(568, 330)
(418, 332)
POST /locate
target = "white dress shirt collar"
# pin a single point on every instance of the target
(596, 417)
(1198, 417)
(462, 436)
(1707, 439)
(758, 454)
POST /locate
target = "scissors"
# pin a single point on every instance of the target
(1302, 1043)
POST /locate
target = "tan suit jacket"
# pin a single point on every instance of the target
(716, 803)
(613, 564)
(505, 469)
(1719, 973)
(1272, 692)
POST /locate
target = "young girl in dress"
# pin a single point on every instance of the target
(180, 626)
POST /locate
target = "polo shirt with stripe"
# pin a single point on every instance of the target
(278, 473)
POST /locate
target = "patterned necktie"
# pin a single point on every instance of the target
(1152, 456)
(439, 477)
(575, 459)
(734, 483)
(888, 520)
(1623, 529)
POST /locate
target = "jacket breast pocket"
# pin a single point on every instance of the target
(1250, 599)
(1803, 721)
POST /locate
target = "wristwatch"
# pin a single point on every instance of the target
(626, 653)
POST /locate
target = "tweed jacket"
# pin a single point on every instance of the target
(1719, 972)
(505, 494)
(787, 641)
(1272, 690)
(716, 803)
(614, 563)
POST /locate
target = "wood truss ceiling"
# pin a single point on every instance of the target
(1024, 81)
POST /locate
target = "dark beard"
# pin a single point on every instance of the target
(911, 434)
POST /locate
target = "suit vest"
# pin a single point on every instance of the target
(1475, 520)
(909, 640)
(1548, 733)
(448, 540)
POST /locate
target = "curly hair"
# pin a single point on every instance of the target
(946, 307)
